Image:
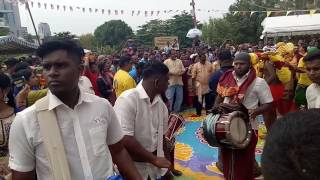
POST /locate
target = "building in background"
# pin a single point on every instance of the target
(24, 31)
(10, 17)
(44, 30)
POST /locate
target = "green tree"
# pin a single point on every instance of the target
(216, 31)
(179, 26)
(154, 28)
(4, 31)
(87, 41)
(64, 35)
(113, 33)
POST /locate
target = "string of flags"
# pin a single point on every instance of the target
(146, 13)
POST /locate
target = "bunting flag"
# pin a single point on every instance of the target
(177, 11)
(116, 12)
(52, 6)
(268, 13)
(90, 10)
(58, 7)
(132, 12)
(122, 12)
(96, 10)
(138, 13)
(64, 8)
(146, 13)
(158, 12)
(45, 5)
(83, 9)
(313, 11)
(109, 12)
(71, 8)
(288, 12)
(31, 4)
(151, 13)
(102, 11)
(78, 7)
(39, 5)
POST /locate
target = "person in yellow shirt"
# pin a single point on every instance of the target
(303, 83)
(122, 80)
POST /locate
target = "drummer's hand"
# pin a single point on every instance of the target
(252, 113)
(161, 162)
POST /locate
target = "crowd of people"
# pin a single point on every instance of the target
(111, 111)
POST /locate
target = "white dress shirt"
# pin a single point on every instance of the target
(257, 93)
(85, 85)
(313, 96)
(146, 122)
(86, 131)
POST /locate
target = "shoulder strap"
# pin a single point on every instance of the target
(52, 139)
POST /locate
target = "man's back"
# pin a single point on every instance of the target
(122, 82)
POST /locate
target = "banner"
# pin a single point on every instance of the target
(162, 42)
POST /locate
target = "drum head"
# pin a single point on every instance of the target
(238, 130)
(209, 125)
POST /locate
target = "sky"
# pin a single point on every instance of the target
(80, 23)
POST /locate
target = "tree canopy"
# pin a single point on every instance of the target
(179, 26)
(113, 33)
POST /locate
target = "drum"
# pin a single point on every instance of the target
(175, 123)
(232, 130)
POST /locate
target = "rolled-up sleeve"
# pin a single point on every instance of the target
(22, 157)
(125, 112)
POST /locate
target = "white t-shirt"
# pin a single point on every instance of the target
(258, 93)
(86, 131)
(313, 96)
(146, 122)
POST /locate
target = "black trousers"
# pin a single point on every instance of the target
(198, 105)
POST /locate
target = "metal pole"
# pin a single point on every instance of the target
(194, 13)
(34, 26)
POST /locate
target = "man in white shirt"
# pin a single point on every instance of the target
(89, 128)
(254, 93)
(312, 62)
(144, 120)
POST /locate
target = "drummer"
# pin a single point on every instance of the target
(241, 85)
(144, 120)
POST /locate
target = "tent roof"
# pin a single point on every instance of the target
(12, 45)
(291, 25)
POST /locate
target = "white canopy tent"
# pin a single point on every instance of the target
(291, 25)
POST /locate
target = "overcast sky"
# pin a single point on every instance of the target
(79, 23)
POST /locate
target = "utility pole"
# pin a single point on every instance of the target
(194, 13)
(34, 26)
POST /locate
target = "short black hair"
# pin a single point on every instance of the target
(26, 73)
(304, 46)
(140, 65)
(11, 62)
(22, 66)
(5, 82)
(225, 54)
(292, 146)
(124, 60)
(313, 55)
(70, 46)
(154, 69)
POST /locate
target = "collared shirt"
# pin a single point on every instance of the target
(176, 69)
(86, 131)
(257, 93)
(85, 85)
(122, 81)
(145, 121)
(201, 73)
(313, 96)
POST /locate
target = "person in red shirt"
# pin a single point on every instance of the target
(91, 72)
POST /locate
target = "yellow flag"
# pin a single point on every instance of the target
(313, 11)
(268, 13)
